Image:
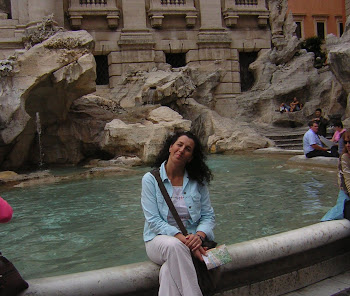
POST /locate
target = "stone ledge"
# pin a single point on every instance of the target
(275, 150)
(271, 266)
(320, 161)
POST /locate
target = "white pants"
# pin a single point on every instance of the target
(177, 276)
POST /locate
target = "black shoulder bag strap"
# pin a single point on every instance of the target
(170, 204)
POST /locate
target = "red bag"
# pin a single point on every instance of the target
(5, 211)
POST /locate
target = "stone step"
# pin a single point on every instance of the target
(296, 146)
(285, 137)
(289, 140)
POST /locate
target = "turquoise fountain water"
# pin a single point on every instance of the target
(96, 223)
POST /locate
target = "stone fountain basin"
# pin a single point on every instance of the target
(272, 265)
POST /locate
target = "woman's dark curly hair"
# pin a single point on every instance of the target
(196, 168)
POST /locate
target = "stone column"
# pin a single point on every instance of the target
(214, 45)
(136, 43)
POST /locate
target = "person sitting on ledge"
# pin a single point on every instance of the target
(322, 122)
(312, 144)
(339, 130)
(295, 105)
(341, 209)
(284, 108)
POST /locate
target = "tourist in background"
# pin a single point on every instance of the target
(337, 212)
(185, 176)
(295, 105)
(284, 108)
(322, 122)
(338, 131)
(337, 138)
(312, 144)
(5, 211)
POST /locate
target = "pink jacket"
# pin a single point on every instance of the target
(5, 211)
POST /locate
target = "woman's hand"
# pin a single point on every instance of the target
(198, 253)
(193, 242)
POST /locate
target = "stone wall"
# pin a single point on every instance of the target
(138, 34)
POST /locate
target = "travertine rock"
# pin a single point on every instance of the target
(339, 61)
(142, 139)
(164, 87)
(46, 79)
(221, 134)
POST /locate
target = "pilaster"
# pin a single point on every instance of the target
(134, 15)
(136, 43)
(210, 11)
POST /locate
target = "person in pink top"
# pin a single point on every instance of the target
(5, 211)
(338, 131)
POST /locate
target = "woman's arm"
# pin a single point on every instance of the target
(334, 137)
(345, 164)
(5, 211)
(150, 208)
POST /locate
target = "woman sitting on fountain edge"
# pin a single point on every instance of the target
(185, 176)
(337, 212)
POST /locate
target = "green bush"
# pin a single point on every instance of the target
(313, 44)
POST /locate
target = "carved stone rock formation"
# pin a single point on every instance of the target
(142, 139)
(55, 80)
(339, 60)
(45, 80)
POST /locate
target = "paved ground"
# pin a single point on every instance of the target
(334, 286)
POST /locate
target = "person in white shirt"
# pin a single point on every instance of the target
(312, 144)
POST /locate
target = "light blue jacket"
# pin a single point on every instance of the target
(156, 210)
(337, 212)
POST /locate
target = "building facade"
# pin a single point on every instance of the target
(318, 17)
(143, 34)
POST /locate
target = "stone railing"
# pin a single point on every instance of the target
(246, 2)
(162, 8)
(93, 2)
(78, 9)
(233, 9)
(165, 2)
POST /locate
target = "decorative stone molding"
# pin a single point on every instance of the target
(138, 40)
(79, 9)
(162, 8)
(233, 9)
(209, 39)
